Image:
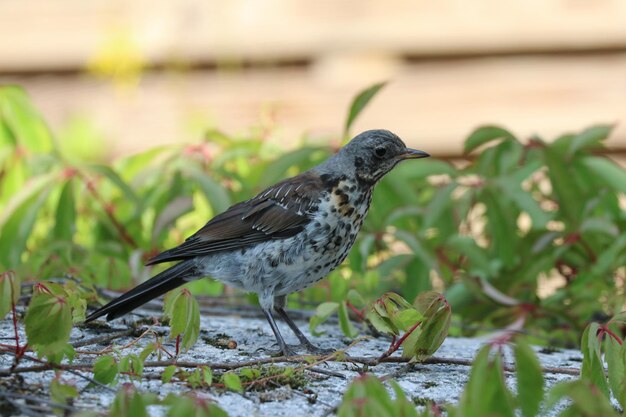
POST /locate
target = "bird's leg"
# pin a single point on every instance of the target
(284, 348)
(279, 305)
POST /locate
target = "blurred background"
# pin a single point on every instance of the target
(135, 74)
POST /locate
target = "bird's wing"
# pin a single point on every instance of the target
(278, 212)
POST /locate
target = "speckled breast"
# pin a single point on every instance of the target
(334, 229)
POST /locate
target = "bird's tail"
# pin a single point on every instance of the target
(161, 283)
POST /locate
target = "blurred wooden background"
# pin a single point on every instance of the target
(538, 66)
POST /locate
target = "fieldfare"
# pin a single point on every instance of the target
(285, 239)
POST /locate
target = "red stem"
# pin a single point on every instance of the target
(605, 329)
(359, 313)
(116, 224)
(407, 334)
(177, 345)
(395, 346)
(590, 253)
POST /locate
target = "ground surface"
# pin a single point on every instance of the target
(324, 387)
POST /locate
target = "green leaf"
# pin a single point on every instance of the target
(599, 225)
(392, 313)
(483, 135)
(170, 213)
(192, 406)
(134, 165)
(116, 180)
(433, 330)
(61, 393)
(592, 368)
(478, 260)
(381, 324)
(416, 247)
(367, 396)
(147, 351)
(65, 224)
(607, 171)
(184, 315)
(618, 320)
(18, 218)
(426, 168)
(486, 393)
(207, 376)
(345, 324)
(405, 319)
(585, 398)
(232, 381)
(322, 313)
(280, 166)
(131, 364)
(524, 202)
(436, 208)
(355, 298)
(213, 191)
(15, 175)
(9, 292)
(610, 256)
(589, 138)
(48, 321)
(402, 405)
(564, 184)
(472, 396)
(500, 224)
(359, 103)
(194, 379)
(24, 122)
(614, 356)
(529, 378)
(129, 403)
(66, 351)
(105, 369)
(168, 373)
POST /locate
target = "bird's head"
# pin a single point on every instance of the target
(374, 153)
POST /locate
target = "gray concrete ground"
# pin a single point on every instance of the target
(440, 382)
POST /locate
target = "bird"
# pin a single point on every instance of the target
(283, 240)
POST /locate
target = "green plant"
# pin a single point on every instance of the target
(487, 393)
(485, 232)
(367, 396)
(489, 229)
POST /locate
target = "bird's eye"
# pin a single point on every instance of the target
(380, 152)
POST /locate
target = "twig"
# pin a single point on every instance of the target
(38, 400)
(50, 366)
(27, 411)
(126, 346)
(108, 210)
(395, 345)
(363, 360)
(327, 372)
(102, 339)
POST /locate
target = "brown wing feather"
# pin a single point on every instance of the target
(278, 212)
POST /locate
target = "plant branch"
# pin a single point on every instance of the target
(363, 360)
(119, 227)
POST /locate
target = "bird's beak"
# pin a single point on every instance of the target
(414, 154)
